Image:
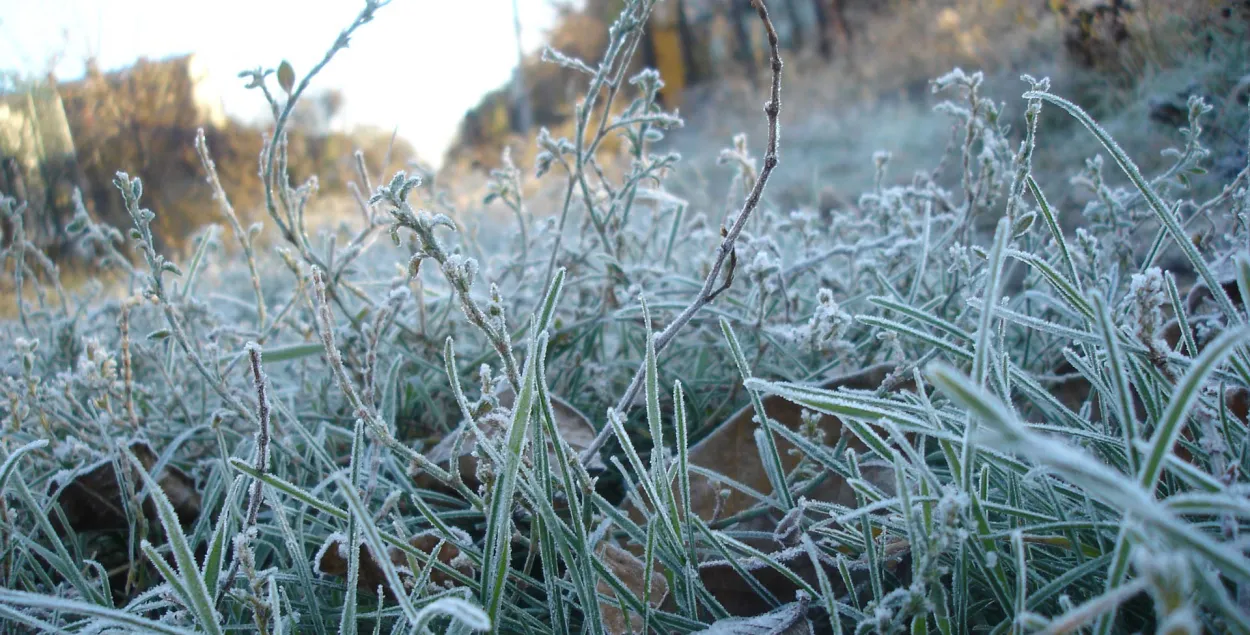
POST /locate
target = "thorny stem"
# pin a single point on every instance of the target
(726, 250)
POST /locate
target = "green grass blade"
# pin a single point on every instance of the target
(107, 615)
(1162, 213)
(498, 545)
(200, 601)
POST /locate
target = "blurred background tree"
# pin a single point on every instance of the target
(58, 136)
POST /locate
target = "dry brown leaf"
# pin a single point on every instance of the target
(740, 599)
(1200, 291)
(1075, 391)
(573, 426)
(789, 619)
(91, 498)
(632, 572)
(332, 560)
(1238, 402)
(731, 450)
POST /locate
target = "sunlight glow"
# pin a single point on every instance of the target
(417, 67)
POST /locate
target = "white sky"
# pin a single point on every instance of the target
(419, 65)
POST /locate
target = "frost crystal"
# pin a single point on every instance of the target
(828, 324)
(1147, 295)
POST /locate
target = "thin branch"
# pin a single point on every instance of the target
(726, 250)
(262, 433)
(262, 460)
(244, 237)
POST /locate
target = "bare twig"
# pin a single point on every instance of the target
(458, 271)
(274, 160)
(123, 325)
(244, 237)
(726, 250)
(368, 412)
(609, 75)
(262, 458)
(262, 433)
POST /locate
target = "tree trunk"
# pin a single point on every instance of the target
(824, 42)
(521, 94)
(796, 25)
(838, 22)
(694, 74)
(746, 49)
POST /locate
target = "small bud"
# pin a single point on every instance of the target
(1023, 224)
(286, 77)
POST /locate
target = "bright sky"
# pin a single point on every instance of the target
(419, 65)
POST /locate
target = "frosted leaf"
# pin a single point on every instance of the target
(336, 540)
(1147, 296)
(829, 323)
(790, 619)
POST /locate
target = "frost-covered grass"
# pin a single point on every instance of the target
(1060, 423)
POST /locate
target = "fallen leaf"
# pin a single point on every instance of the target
(1237, 400)
(731, 450)
(632, 572)
(738, 596)
(574, 428)
(1075, 390)
(332, 560)
(91, 497)
(1200, 291)
(790, 619)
